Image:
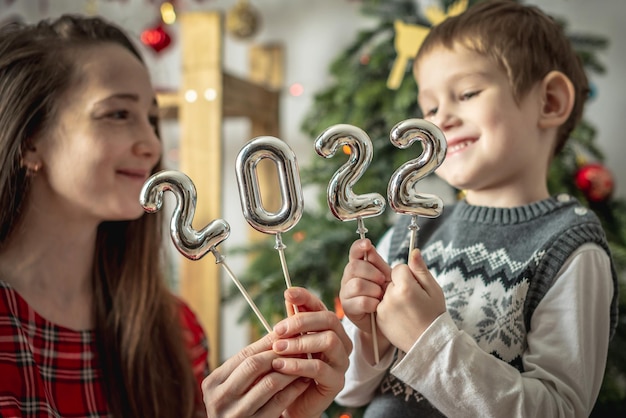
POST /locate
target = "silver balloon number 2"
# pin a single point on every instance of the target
(189, 242)
(401, 192)
(292, 203)
(342, 201)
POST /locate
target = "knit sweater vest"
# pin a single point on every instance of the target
(498, 264)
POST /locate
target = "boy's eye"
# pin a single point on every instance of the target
(469, 95)
(431, 112)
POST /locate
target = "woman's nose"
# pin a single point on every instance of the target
(149, 144)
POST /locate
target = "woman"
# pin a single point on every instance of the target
(88, 326)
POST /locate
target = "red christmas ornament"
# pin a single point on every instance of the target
(156, 38)
(595, 181)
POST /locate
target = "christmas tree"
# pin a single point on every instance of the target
(359, 95)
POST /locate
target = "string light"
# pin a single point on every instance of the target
(168, 14)
(296, 89)
(91, 8)
(210, 94)
(191, 96)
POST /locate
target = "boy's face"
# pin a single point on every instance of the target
(496, 151)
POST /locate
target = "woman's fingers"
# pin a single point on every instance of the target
(264, 390)
(247, 387)
(327, 344)
(317, 333)
(303, 299)
(326, 369)
(313, 322)
(222, 373)
(283, 399)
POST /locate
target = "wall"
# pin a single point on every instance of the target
(314, 32)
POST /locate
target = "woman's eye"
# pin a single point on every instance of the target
(119, 114)
(154, 122)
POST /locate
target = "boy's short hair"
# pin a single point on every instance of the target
(524, 41)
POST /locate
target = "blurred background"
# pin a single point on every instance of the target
(313, 35)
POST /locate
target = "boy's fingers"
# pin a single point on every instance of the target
(416, 262)
(363, 270)
(420, 271)
(360, 248)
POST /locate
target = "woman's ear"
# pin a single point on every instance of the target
(557, 97)
(31, 160)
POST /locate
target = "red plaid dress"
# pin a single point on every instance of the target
(51, 371)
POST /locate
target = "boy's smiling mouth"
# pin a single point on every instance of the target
(456, 145)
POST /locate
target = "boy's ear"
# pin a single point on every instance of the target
(557, 98)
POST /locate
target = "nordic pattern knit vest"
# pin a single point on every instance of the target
(498, 263)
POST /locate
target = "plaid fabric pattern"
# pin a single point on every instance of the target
(51, 371)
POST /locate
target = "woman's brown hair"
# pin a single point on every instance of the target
(146, 368)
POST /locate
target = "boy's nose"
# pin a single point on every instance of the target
(446, 120)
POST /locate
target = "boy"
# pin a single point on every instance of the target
(508, 308)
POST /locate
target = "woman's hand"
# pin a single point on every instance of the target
(317, 332)
(275, 375)
(246, 385)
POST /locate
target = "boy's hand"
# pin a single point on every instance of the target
(363, 283)
(412, 301)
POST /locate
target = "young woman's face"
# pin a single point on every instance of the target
(496, 151)
(102, 146)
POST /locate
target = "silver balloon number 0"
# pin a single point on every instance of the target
(401, 191)
(292, 204)
(189, 242)
(342, 201)
(290, 187)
